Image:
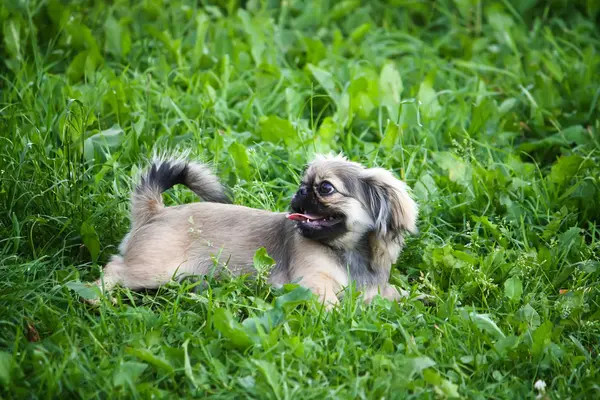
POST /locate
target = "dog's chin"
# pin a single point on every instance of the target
(320, 228)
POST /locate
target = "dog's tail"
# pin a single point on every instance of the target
(162, 175)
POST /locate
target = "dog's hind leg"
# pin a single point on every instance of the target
(112, 275)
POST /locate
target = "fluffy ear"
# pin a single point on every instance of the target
(389, 202)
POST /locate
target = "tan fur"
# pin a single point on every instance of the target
(195, 239)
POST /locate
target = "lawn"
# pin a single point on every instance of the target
(488, 109)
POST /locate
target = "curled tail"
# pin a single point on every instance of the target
(163, 175)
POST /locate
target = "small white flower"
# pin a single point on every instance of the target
(540, 385)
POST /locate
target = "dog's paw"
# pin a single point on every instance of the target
(96, 302)
(422, 297)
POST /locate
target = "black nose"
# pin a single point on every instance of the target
(299, 199)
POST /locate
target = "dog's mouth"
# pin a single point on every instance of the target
(315, 220)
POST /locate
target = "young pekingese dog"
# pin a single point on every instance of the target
(346, 224)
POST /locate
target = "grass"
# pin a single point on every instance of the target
(489, 110)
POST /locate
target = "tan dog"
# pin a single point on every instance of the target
(347, 224)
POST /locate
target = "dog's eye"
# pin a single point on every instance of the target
(326, 188)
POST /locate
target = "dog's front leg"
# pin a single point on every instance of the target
(386, 291)
(324, 286)
(319, 270)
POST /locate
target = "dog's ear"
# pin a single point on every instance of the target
(391, 206)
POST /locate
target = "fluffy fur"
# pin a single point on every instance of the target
(347, 223)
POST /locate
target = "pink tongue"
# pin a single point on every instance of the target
(300, 217)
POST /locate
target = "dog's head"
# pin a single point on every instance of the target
(340, 201)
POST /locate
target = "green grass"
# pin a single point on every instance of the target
(489, 110)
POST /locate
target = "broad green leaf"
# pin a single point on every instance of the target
(364, 92)
(571, 240)
(554, 69)
(577, 134)
(118, 38)
(432, 377)
(110, 139)
(507, 105)
(293, 102)
(464, 256)
(247, 382)
(449, 389)
(256, 36)
(138, 127)
(513, 288)
(12, 37)
(425, 188)
(76, 68)
(343, 8)
(239, 154)
(458, 170)
(481, 114)
(171, 45)
(231, 329)
(149, 357)
(297, 296)
(391, 87)
(6, 367)
(187, 365)
(580, 346)
(266, 322)
(573, 135)
(90, 240)
(325, 79)
(567, 167)
(503, 346)
(410, 116)
(344, 114)
(590, 267)
(56, 11)
(484, 322)
(443, 387)
(315, 49)
(359, 33)
(128, 372)
(492, 229)
(430, 105)
(85, 290)
(391, 135)
(498, 19)
(541, 338)
(274, 129)
(528, 315)
(465, 7)
(262, 260)
(125, 39)
(202, 25)
(362, 104)
(271, 375)
(327, 130)
(419, 364)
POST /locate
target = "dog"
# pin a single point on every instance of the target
(346, 225)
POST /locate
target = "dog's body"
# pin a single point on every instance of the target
(339, 239)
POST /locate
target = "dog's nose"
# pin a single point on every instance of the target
(299, 198)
